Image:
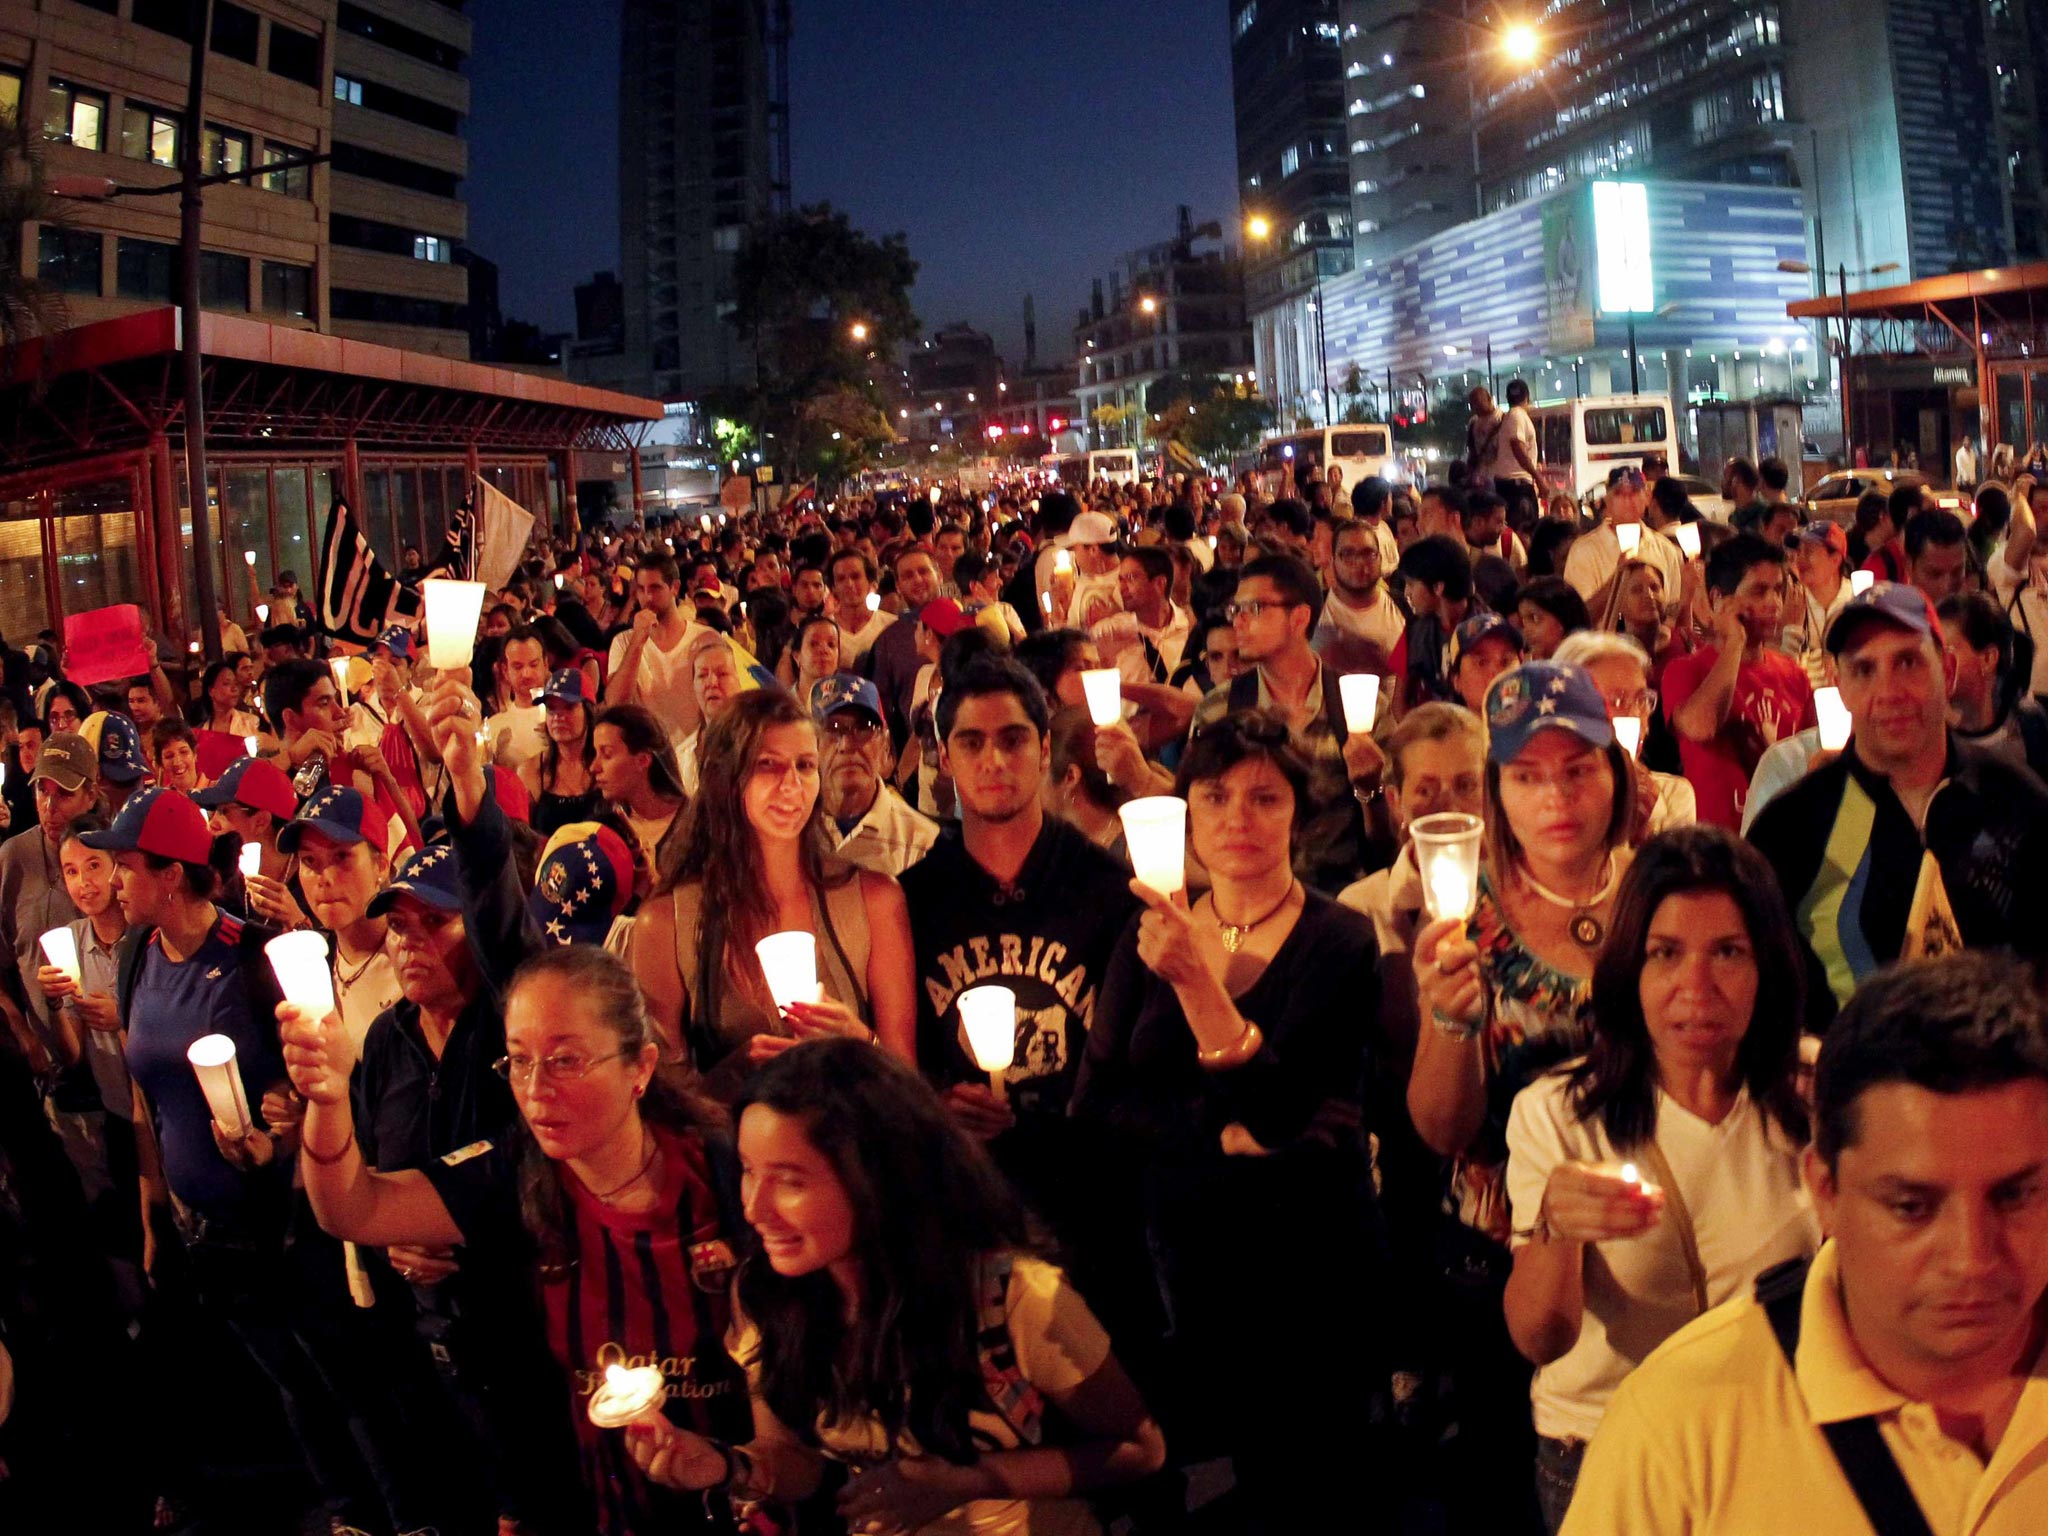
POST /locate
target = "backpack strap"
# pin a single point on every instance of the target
(1873, 1474)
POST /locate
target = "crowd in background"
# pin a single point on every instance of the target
(1292, 1203)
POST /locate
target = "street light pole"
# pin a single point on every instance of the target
(1322, 348)
(1842, 285)
(191, 209)
(1635, 376)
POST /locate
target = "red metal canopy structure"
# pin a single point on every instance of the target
(1997, 319)
(90, 427)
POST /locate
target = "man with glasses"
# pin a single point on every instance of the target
(1273, 613)
(1358, 607)
(872, 826)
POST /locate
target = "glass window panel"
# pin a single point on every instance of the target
(376, 514)
(87, 122)
(95, 526)
(24, 606)
(223, 280)
(405, 509)
(434, 486)
(10, 92)
(246, 527)
(295, 531)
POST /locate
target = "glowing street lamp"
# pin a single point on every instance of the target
(1520, 43)
(860, 330)
(1149, 304)
(1258, 227)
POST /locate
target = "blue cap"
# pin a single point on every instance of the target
(433, 878)
(1543, 695)
(397, 640)
(158, 821)
(255, 782)
(567, 687)
(844, 690)
(119, 743)
(1887, 602)
(1480, 626)
(338, 814)
(584, 884)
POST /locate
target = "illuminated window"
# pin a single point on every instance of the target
(149, 133)
(74, 116)
(350, 91)
(1290, 160)
(1242, 22)
(223, 152)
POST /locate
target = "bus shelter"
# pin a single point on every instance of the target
(94, 501)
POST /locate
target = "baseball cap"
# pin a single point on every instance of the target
(566, 687)
(256, 782)
(397, 640)
(1478, 627)
(584, 883)
(432, 878)
(1625, 474)
(1539, 696)
(116, 744)
(943, 617)
(338, 814)
(159, 821)
(843, 691)
(1089, 528)
(1887, 602)
(69, 759)
(1826, 534)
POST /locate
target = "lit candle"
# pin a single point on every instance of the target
(989, 1015)
(789, 961)
(251, 859)
(1630, 1174)
(1628, 730)
(263, 613)
(1689, 540)
(1360, 692)
(1156, 832)
(1063, 562)
(704, 522)
(1212, 541)
(1447, 858)
(1835, 721)
(60, 948)
(300, 960)
(558, 581)
(1629, 536)
(1044, 601)
(249, 557)
(627, 1392)
(213, 1063)
(453, 608)
(874, 602)
(1861, 582)
(338, 665)
(1104, 688)
(249, 745)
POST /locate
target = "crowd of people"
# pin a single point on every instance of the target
(1690, 1174)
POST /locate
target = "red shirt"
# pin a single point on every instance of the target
(1772, 700)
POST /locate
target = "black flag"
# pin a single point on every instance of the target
(457, 560)
(359, 599)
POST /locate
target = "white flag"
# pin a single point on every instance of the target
(502, 529)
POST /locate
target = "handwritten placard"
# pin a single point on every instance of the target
(104, 644)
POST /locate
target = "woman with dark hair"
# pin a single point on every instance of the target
(892, 1319)
(605, 1199)
(219, 705)
(1077, 790)
(1547, 608)
(754, 860)
(1229, 1055)
(1552, 539)
(633, 763)
(1057, 658)
(1688, 1084)
(560, 781)
(65, 707)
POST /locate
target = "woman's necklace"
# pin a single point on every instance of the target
(1234, 934)
(1586, 928)
(341, 970)
(653, 1150)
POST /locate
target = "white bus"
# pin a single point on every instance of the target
(1579, 441)
(1078, 471)
(1355, 450)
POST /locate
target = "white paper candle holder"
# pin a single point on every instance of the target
(1156, 832)
(251, 859)
(300, 961)
(1629, 536)
(1689, 540)
(790, 963)
(1861, 582)
(989, 1015)
(453, 608)
(213, 1063)
(1447, 857)
(60, 948)
(1835, 721)
(1104, 687)
(1360, 692)
(1628, 730)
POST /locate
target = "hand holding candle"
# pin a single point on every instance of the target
(60, 948)
(627, 1392)
(1447, 858)
(989, 1015)
(1600, 1202)
(213, 1063)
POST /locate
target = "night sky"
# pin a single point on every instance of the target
(1022, 148)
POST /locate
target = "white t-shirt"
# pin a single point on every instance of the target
(1783, 764)
(856, 643)
(662, 683)
(1596, 556)
(1382, 623)
(515, 737)
(1740, 1181)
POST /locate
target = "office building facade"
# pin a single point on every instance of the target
(1287, 93)
(703, 158)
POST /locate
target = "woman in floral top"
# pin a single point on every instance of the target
(1506, 995)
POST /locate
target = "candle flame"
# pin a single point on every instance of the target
(1629, 1174)
(615, 1377)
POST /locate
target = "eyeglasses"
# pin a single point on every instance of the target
(1643, 703)
(849, 728)
(567, 1067)
(1254, 607)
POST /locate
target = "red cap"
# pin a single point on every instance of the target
(943, 617)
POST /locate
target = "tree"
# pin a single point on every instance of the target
(1229, 424)
(818, 302)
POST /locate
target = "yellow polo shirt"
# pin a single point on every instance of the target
(1713, 1435)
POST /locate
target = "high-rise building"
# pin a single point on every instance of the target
(1294, 184)
(703, 157)
(1407, 123)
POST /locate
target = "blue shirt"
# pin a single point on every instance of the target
(174, 1003)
